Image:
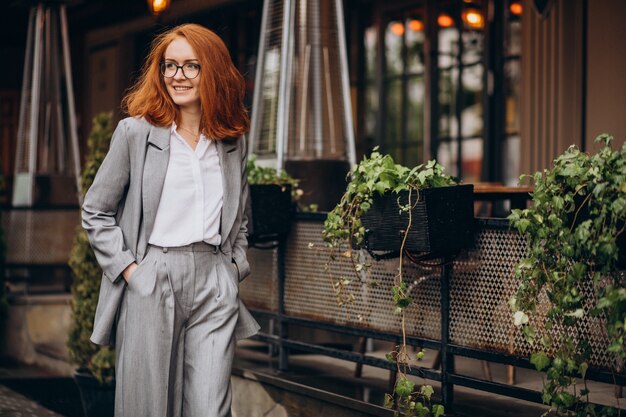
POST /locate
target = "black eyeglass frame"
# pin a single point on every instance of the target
(178, 67)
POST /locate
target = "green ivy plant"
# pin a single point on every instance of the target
(578, 212)
(97, 360)
(379, 174)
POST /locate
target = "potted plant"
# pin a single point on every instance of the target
(272, 198)
(574, 228)
(95, 374)
(383, 196)
(393, 208)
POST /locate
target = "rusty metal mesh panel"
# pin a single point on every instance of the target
(309, 291)
(482, 283)
(259, 290)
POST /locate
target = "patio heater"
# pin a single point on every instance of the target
(301, 111)
(47, 164)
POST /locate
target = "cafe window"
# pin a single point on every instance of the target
(460, 65)
(393, 94)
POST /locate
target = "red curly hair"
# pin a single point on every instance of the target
(222, 87)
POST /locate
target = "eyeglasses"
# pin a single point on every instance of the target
(170, 69)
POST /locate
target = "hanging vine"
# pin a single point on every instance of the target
(574, 226)
(379, 174)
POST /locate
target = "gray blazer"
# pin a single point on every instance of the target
(120, 207)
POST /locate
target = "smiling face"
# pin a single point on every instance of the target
(183, 91)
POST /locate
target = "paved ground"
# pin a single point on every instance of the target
(48, 392)
(337, 376)
(13, 404)
(32, 388)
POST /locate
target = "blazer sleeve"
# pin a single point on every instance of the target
(240, 246)
(101, 204)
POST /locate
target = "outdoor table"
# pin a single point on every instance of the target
(518, 195)
(490, 199)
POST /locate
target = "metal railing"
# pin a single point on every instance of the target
(460, 309)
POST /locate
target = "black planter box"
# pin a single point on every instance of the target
(98, 400)
(442, 221)
(271, 214)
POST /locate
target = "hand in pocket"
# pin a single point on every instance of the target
(129, 272)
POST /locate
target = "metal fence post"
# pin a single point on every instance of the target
(283, 352)
(447, 359)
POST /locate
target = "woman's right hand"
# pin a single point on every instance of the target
(128, 272)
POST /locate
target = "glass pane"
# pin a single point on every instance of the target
(472, 47)
(472, 151)
(415, 109)
(472, 102)
(448, 47)
(393, 119)
(513, 35)
(415, 44)
(512, 96)
(447, 100)
(371, 40)
(413, 154)
(394, 35)
(511, 163)
(446, 156)
(371, 110)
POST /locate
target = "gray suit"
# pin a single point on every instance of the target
(120, 208)
(146, 319)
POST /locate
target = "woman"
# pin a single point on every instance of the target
(166, 219)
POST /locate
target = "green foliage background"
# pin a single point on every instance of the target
(86, 272)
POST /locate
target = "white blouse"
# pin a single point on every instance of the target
(191, 202)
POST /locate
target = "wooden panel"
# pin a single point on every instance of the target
(552, 83)
(606, 66)
(9, 114)
(103, 83)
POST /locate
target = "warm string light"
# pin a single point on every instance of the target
(473, 18)
(397, 28)
(158, 6)
(416, 25)
(516, 8)
(445, 21)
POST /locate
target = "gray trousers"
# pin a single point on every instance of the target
(175, 334)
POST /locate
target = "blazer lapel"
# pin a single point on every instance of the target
(230, 164)
(155, 167)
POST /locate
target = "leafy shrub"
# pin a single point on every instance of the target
(97, 360)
